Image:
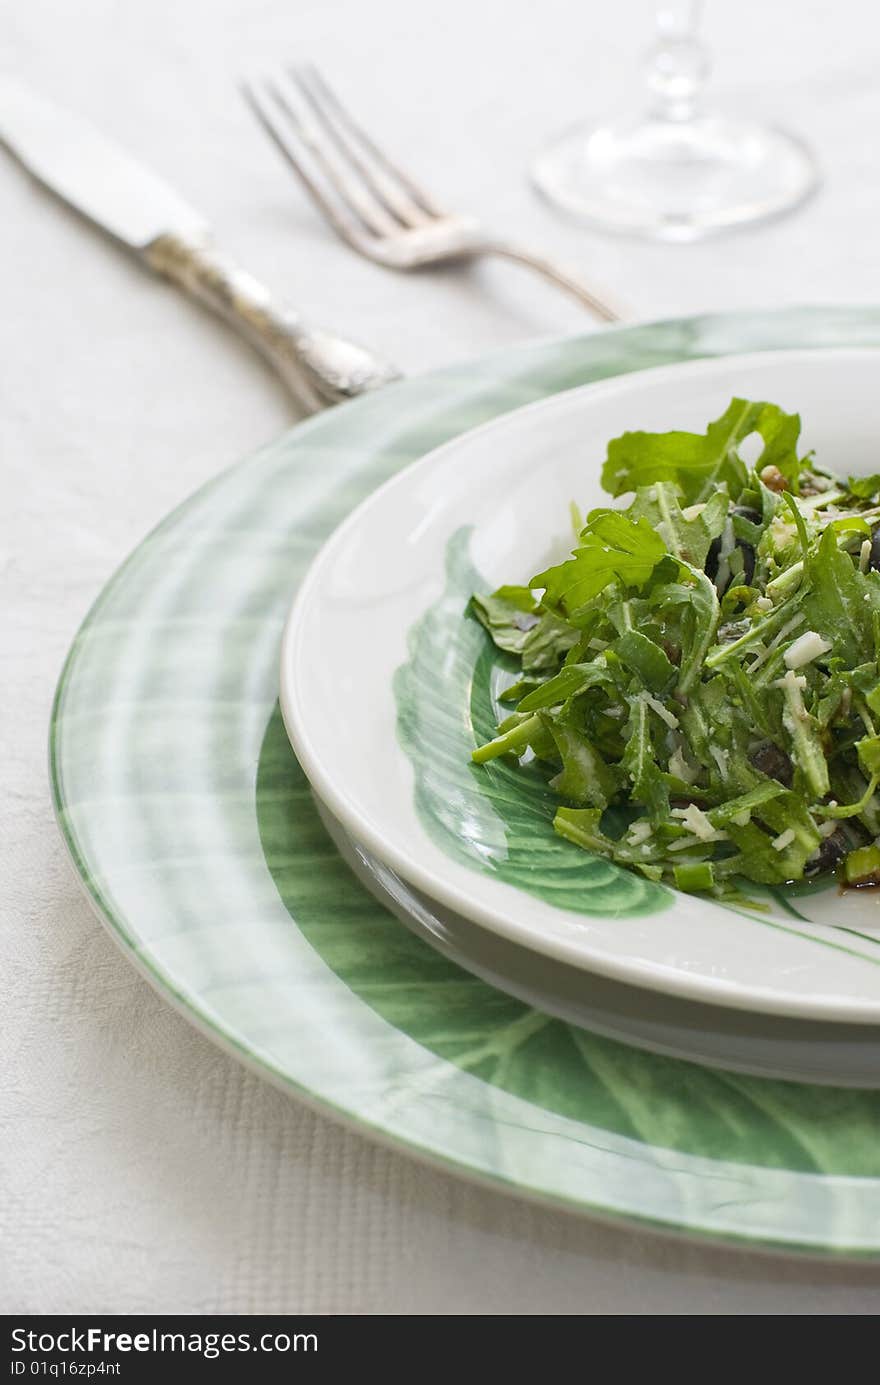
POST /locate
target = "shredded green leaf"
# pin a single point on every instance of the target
(706, 662)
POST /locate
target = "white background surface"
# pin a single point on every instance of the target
(140, 1168)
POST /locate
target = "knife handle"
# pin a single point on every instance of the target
(317, 367)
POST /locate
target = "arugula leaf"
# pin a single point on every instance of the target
(838, 601)
(508, 614)
(570, 680)
(864, 487)
(747, 802)
(517, 734)
(806, 740)
(581, 826)
(701, 462)
(515, 692)
(700, 623)
(585, 779)
(765, 864)
(547, 642)
(687, 538)
(612, 548)
(640, 762)
(645, 658)
(519, 598)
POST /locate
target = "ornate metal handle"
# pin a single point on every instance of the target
(318, 367)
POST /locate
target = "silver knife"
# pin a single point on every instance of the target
(76, 162)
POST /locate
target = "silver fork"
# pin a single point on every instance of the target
(369, 201)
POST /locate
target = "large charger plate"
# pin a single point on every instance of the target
(193, 830)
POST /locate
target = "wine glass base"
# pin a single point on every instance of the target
(675, 180)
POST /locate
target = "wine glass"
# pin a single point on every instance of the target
(674, 171)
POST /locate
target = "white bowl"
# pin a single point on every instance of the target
(511, 482)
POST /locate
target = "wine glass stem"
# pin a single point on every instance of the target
(678, 63)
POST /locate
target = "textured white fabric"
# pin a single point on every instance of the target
(141, 1169)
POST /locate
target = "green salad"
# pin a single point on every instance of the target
(701, 677)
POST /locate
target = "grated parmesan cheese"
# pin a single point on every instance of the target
(721, 758)
(783, 840)
(638, 833)
(684, 842)
(795, 681)
(695, 820)
(679, 766)
(805, 649)
(864, 555)
(663, 712)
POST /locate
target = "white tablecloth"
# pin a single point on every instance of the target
(142, 1169)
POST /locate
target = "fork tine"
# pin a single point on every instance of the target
(334, 162)
(396, 191)
(281, 129)
(357, 132)
(365, 218)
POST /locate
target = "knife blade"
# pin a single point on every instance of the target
(89, 172)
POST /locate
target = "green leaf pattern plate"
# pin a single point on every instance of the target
(194, 832)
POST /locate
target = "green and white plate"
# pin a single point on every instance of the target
(387, 686)
(194, 832)
(721, 1036)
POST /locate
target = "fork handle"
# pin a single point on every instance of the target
(317, 367)
(564, 278)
